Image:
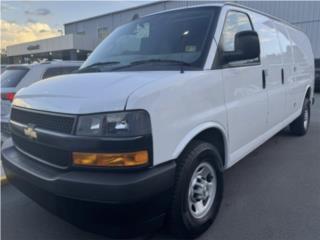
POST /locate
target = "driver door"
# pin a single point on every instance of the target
(245, 94)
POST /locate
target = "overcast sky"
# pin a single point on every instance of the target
(24, 21)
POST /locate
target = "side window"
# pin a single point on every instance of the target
(67, 70)
(51, 72)
(235, 22)
(12, 76)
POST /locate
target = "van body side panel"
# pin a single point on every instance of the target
(246, 103)
(194, 98)
(287, 65)
(277, 98)
(271, 59)
(303, 68)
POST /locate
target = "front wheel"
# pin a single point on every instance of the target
(198, 190)
(300, 126)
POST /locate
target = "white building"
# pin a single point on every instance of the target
(67, 47)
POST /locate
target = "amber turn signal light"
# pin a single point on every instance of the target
(111, 159)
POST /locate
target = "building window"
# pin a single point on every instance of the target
(135, 17)
(102, 33)
(80, 29)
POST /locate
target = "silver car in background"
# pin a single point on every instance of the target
(3, 67)
(19, 76)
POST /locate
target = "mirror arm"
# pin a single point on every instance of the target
(231, 56)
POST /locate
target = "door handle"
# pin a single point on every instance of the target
(263, 79)
(282, 76)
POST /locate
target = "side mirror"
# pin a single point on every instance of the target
(246, 46)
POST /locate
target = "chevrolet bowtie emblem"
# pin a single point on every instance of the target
(30, 132)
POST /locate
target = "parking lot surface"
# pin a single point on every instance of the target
(274, 194)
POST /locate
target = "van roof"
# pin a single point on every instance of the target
(262, 13)
(233, 5)
(194, 6)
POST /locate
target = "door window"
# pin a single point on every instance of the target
(235, 22)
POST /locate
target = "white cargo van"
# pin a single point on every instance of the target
(158, 111)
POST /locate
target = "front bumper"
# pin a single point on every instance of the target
(118, 195)
(96, 186)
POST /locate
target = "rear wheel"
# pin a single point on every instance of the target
(198, 190)
(300, 126)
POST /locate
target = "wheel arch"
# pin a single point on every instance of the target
(210, 132)
(308, 92)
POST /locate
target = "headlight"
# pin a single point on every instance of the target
(130, 123)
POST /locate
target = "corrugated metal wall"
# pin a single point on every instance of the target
(304, 14)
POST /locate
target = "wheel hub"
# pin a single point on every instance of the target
(202, 190)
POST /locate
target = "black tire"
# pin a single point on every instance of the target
(300, 126)
(182, 223)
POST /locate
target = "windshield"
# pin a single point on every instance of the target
(11, 77)
(161, 41)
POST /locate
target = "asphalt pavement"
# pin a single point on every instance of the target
(272, 194)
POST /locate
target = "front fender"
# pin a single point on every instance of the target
(196, 131)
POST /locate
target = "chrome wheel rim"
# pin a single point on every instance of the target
(306, 118)
(202, 190)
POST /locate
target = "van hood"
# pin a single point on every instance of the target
(86, 92)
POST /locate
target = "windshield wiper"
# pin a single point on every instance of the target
(93, 67)
(141, 62)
